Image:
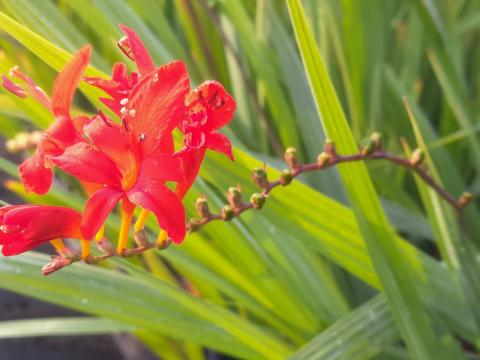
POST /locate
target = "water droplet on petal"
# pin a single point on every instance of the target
(123, 111)
(124, 101)
(142, 137)
(155, 77)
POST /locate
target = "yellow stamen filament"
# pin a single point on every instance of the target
(58, 245)
(85, 249)
(162, 237)
(100, 234)
(124, 231)
(142, 218)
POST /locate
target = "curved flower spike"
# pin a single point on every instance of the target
(23, 227)
(36, 171)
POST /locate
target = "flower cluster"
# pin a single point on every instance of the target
(127, 159)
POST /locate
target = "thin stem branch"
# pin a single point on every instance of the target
(330, 159)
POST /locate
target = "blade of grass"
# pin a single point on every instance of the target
(416, 327)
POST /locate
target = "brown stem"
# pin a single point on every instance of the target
(333, 160)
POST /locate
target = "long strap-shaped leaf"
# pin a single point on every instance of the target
(411, 317)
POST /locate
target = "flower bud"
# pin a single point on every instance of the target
(227, 213)
(418, 156)
(140, 238)
(286, 177)
(259, 176)
(105, 246)
(193, 225)
(201, 205)
(323, 160)
(465, 199)
(57, 263)
(291, 158)
(329, 147)
(367, 147)
(258, 200)
(234, 197)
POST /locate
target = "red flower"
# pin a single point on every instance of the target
(131, 160)
(209, 107)
(36, 172)
(23, 227)
(121, 84)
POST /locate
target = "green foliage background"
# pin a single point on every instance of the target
(338, 265)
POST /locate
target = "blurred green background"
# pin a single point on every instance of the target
(306, 277)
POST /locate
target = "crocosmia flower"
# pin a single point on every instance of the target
(23, 227)
(208, 108)
(36, 172)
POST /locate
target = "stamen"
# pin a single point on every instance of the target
(155, 77)
(142, 137)
(123, 110)
(132, 112)
(127, 214)
(124, 45)
(124, 101)
(86, 250)
(162, 238)
(58, 245)
(142, 218)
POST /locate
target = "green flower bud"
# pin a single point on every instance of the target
(286, 177)
(329, 147)
(465, 199)
(418, 156)
(291, 158)
(140, 237)
(259, 176)
(227, 213)
(201, 206)
(258, 200)
(323, 159)
(234, 197)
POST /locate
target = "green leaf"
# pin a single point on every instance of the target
(395, 276)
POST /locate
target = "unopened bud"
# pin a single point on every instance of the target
(227, 213)
(367, 148)
(258, 200)
(140, 238)
(418, 156)
(465, 199)
(286, 177)
(259, 176)
(193, 225)
(201, 205)
(105, 246)
(57, 263)
(329, 147)
(376, 140)
(323, 159)
(291, 158)
(234, 197)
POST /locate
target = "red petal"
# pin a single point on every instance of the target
(158, 104)
(35, 176)
(13, 88)
(112, 141)
(60, 134)
(112, 105)
(97, 209)
(167, 207)
(35, 225)
(218, 103)
(67, 81)
(192, 159)
(142, 57)
(162, 167)
(219, 142)
(87, 164)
